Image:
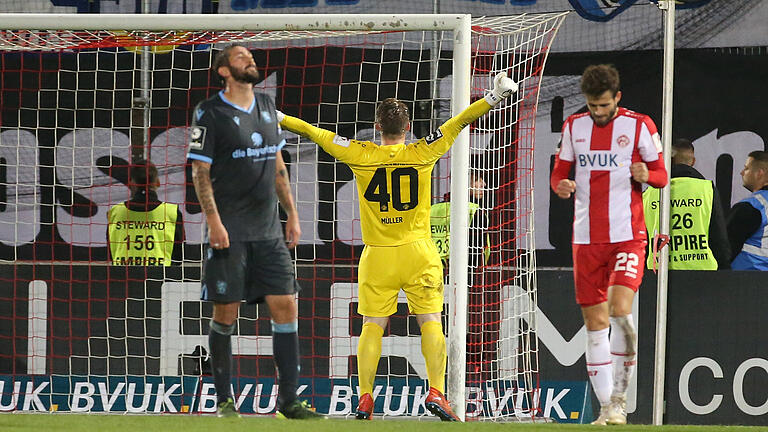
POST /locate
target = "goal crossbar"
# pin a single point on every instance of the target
(233, 22)
(28, 32)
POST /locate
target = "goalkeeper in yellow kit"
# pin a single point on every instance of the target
(394, 187)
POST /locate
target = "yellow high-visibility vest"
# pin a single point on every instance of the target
(690, 211)
(440, 225)
(142, 238)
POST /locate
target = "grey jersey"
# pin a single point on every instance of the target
(241, 146)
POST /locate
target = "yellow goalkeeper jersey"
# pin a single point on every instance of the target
(393, 181)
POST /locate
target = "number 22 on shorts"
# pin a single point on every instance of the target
(626, 262)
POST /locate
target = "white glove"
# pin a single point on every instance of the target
(503, 87)
(280, 116)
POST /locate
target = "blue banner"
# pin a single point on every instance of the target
(561, 401)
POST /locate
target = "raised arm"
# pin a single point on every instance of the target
(503, 87)
(283, 189)
(324, 138)
(441, 140)
(451, 128)
(201, 177)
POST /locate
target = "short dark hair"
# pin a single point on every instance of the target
(392, 115)
(597, 79)
(682, 144)
(761, 158)
(682, 151)
(143, 174)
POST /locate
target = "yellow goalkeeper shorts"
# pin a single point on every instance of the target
(384, 270)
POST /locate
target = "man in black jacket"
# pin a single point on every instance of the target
(748, 220)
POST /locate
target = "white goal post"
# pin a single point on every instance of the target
(503, 141)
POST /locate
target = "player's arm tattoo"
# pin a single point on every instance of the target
(201, 177)
(283, 185)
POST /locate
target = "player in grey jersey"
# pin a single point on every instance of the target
(239, 174)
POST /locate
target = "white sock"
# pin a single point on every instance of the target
(599, 364)
(623, 352)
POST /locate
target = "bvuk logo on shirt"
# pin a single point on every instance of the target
(598, 159)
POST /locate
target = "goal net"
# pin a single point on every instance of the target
(80, 332)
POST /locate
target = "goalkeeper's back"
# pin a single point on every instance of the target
(393, 181)
(394, 188)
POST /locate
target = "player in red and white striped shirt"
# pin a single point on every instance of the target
(614, 151)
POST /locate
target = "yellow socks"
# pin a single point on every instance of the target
(368, 354)
(433, 349)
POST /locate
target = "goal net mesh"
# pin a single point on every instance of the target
(80, 333)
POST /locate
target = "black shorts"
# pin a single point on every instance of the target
(248, 271)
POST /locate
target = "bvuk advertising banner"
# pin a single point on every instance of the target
(562, 401)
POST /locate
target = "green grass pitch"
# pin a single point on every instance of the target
(185, 423)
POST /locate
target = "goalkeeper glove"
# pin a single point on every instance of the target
(503, 87)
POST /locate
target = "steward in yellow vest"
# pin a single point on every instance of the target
(144, 231)
(440, 225)
(697, 239)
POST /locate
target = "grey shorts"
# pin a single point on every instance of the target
(248, 271)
